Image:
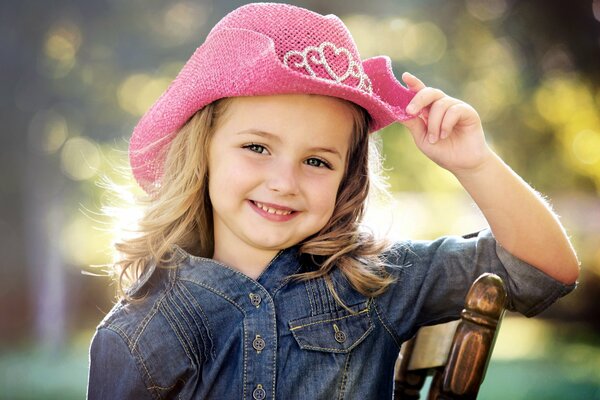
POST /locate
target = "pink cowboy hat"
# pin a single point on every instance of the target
(264, 49)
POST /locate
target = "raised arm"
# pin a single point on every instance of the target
(449, 132)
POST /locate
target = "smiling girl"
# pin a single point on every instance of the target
(250, 276)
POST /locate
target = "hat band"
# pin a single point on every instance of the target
(354, 68)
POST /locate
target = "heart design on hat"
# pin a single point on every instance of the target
(339, 58)
(336, 58)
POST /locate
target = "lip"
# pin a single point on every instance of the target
(273, 217)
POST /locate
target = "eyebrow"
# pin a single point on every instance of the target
(259, 133)
(327, 150)
(272, 136)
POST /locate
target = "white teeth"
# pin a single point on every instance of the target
(272, 210)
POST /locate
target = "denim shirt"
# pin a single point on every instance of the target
(207, 331)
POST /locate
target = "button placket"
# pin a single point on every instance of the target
(260, 359)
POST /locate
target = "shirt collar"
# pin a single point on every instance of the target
(282, 266)
(274, 277)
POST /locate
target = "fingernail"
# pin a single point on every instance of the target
(410, 109)
(431, 138)
(444, 135)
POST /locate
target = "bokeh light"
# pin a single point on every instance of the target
(486, 10)
(80, 158)
(183, 20)
(559, 98)
(493, 84)
(62, 43)
(424, 43)
(367, 30)
(586, 146)
(82, 243)
(139, 91)
(47, 131)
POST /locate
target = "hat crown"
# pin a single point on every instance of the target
(290, 27)
(310, 43)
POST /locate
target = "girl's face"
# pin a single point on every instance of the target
(275, 165)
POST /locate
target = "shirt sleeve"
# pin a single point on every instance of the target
(113, 372)
(433, 278)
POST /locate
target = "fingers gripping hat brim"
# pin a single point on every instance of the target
(241, 62)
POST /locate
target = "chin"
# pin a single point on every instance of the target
(274, 243)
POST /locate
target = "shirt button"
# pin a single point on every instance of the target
(339, 336)
(259, 393)
(258, 343)
(255, 299)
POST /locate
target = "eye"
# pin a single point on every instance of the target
(256, 148)
(317, 162)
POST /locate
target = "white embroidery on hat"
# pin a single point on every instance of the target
(354, 70)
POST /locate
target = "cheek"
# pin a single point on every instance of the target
(231, 177)
(218, 178)
(327, 197)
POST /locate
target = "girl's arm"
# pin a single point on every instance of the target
(113, 372)
(449, 132)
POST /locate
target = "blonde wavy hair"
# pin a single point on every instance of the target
(179, 213)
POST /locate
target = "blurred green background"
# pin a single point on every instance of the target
(77, 75)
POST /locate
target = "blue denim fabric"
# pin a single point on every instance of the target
(207, 331)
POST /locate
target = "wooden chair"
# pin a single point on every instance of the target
(456, 353)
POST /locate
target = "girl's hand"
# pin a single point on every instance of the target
(445, 129)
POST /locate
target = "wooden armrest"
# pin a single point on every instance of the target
(456, 353)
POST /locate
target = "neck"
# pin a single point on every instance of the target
(249, 262)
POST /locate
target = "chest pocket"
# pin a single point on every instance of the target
(333, 332)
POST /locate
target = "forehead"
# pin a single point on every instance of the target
(294, 116)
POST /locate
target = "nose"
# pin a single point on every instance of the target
(284, 178)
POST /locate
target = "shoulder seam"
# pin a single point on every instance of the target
(385, 325)
(136, 356)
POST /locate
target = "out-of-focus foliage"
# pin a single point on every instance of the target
(528, 101)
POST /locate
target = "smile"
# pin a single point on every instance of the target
(272, 210)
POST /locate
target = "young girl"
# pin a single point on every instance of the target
(251, 276)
